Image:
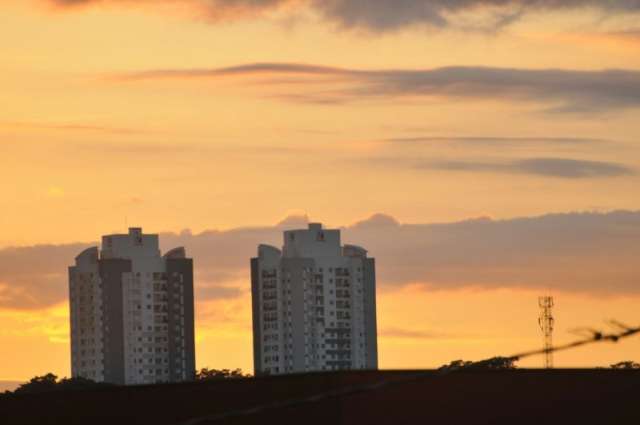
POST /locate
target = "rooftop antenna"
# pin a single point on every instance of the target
(545, 320)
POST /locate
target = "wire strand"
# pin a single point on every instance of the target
(595, 338)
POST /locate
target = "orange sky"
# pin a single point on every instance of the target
(120, 113)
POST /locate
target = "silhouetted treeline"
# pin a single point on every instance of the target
(50, 382)
(626, 365)
(502, 363)
(210, 374)
(495, 363)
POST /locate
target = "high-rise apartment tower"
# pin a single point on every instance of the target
(132, 319)
(314, 305)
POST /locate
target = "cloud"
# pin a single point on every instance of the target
(588, 252)
(571, 168)
(546, 167)
(212, 8)
(399, 333)
(387, 15)
(70, 127)
(496, 141)
(36, 276)
(592, 253)
(559, 90)
(377, 221)
(137, 149)
(242, 70)
(633, 34)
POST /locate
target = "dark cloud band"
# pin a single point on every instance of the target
(546, 167)
(560, 90)
(589, 253)
(394, 14)
(385, 15)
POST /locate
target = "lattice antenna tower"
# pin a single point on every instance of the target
(546, 325)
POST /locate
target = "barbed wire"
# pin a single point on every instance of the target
(595, 337)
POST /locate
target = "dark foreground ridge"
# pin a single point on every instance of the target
(513, 397)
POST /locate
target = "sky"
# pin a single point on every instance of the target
(485, 152)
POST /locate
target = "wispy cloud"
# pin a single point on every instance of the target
(71, 127)
(493, 141)
(139, 148)
(239, 70)
(401, 333)
(632, 34)
(546, 167)
(386, 15)
(559, 90)
(135, 150)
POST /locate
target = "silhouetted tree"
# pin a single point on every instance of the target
(79, 383)
(49, 382)
(206, 374)
(455, 365)
(495, 363)
(626, 365)
(38, 384)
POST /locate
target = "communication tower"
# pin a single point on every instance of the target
(546, 325)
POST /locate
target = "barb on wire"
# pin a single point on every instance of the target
(593, 338)
(597, 336)
(618, 325)
(584, 332)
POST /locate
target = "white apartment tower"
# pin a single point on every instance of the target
(314, 305)
(132, 318)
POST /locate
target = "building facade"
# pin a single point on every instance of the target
(132, 315)
(314, 305)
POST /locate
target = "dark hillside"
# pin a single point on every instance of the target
(519, 397)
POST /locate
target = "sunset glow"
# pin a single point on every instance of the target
(484, 154)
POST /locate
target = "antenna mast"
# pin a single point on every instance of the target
(545, 320)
